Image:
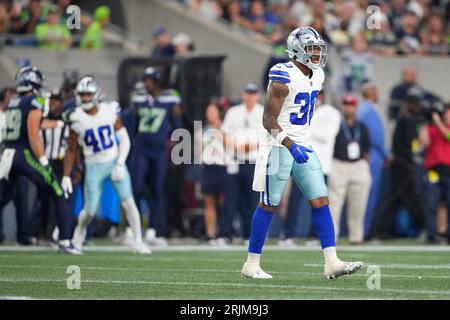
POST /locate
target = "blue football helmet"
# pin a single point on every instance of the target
(29, 79)
(152, 73)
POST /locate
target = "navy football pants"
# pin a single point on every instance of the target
(26, 164)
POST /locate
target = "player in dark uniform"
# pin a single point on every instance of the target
(24, 151)
(158, 113)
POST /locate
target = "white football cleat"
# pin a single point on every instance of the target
(141, 248)
(340, 268)
(254, 271)
(152, 239)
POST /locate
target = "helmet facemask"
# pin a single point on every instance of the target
(316, 55)
(81, 101)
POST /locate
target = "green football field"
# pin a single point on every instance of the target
(202, 272)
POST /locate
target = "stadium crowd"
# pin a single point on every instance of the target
(45, 24)
(406, 27)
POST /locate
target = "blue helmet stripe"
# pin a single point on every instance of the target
(280, 79)
(280, 73)
(314, 31)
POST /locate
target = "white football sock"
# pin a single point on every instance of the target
(133, 217)
(253, 257)
(330, 255)
(84, 219)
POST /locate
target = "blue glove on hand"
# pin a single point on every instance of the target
(299, 153)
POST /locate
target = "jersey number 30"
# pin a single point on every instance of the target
(104, 133)
(306, 102)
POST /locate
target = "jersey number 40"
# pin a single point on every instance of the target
(103, 134)
(306, 102)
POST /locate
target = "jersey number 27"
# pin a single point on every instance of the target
(306, 102)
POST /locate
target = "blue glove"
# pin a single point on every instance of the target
(299, 153)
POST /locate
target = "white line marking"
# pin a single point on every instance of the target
(16, 298)
(63, 267)
(239, 285)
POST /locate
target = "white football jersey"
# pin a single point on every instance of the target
(298, 107)
(95, 133)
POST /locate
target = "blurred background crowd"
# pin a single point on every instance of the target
(402, 185)
(416, 27)
(44, 24)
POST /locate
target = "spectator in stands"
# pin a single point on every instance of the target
(324, 128)
(378, 155)
(382, 40)
(407, 34)
(349, 181)
(183, 44)
(396, 12)
(318, 24)
(4, 17)
(436, 139)
(434, 37)
(52, 34)
(234, 15)
(214, 159)
(264, 23)
(357, 64)
(209, 9)
(398, 93)
(163, 48)
(240, 126)
(404, 178)
(92, 38)
(27, 19)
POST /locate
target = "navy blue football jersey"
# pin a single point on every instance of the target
(154, 118)
(16, 130)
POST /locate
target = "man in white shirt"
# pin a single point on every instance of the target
(241, 127)
(324, 129)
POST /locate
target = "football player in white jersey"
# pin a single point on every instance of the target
(286, 151)
(97, 128)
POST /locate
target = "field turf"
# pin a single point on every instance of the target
(201, 272)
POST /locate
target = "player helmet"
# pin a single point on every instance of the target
(29, 79)
(88, 85)
(300, 45)
(150, 72)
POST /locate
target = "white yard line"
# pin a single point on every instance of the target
(63, 267)
(16, 298)
(232, 248)
(249, 284)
